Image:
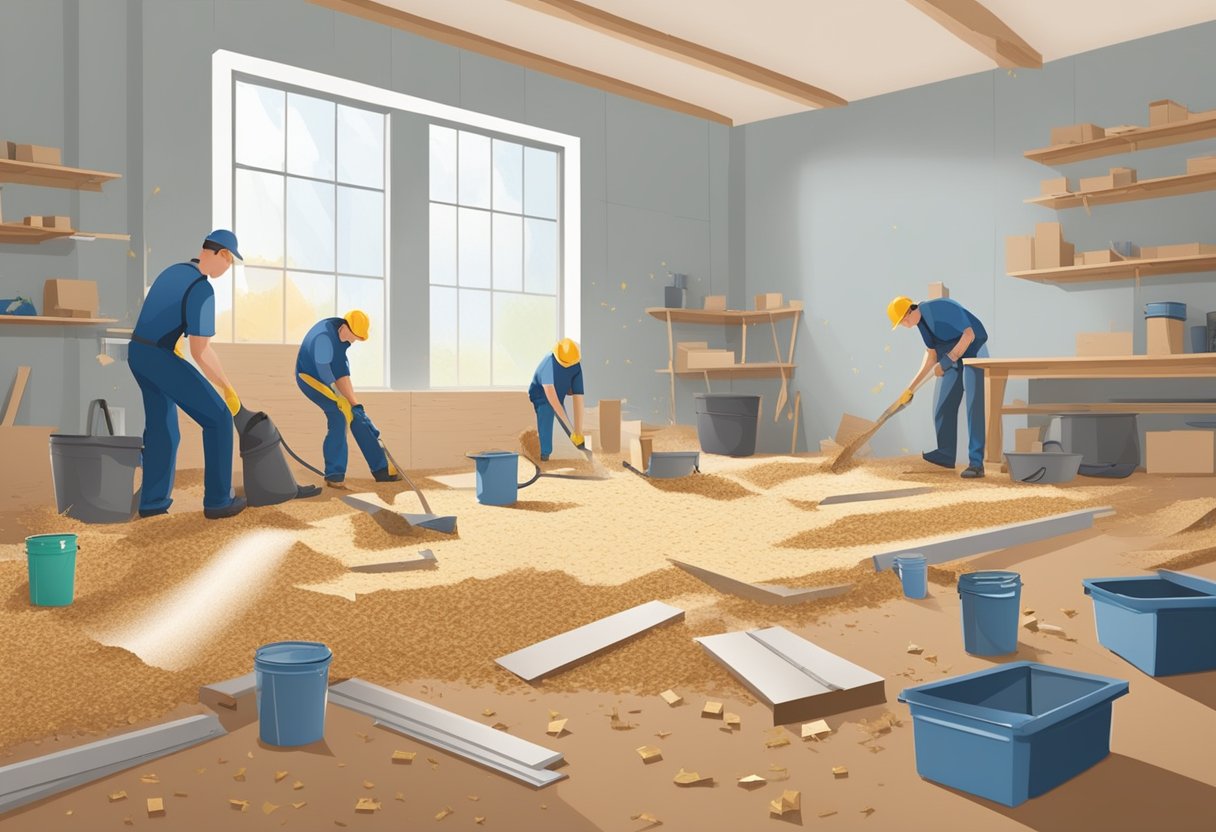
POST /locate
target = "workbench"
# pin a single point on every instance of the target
(998, 371)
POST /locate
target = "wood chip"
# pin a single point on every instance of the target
(220, 760)
(268, 807)
(840, 771)
(150, 779)
(367, 805)
(931, 658)
(487, 712)
(776, 742)
(915, 649)
(671, 697)
(117, 796)
(778, 773)
(180, 794)
(399, 796)
(368, 784)
(500, 726)
(239, 776)
(1028, 611)
(299, 805)
(434, 763)
(249, 754)
(649, 753)
(751, 781)
(790, 801)
(477, 819)
(732, 720)
(689, 778)
(156, 807)
(443, 813)
(279, 775)
(712, 710)
(404, 757)
(239, 805)
(200, 771)
(473, 797)
(296, 786)
(128, 821)
(867, 811)
(1031, 623)
(662, 734)
(815, 730)
(1052, 630)
(827, 814)
(556, 727)
(645, 816)
(1069, 612)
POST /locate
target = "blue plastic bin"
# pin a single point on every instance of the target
(292, 690)
(990, 612)
(1163, 625)
(1013, 732)
(1165, 309)
(913, 574)
(496, 477)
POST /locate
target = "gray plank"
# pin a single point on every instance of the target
(228, 691)
(537, 777)
(765, 673)
(563, 650)
(357, 501)
(424, 560)
(998, 537)
(864, 496)
(762, 593)
(824, 665)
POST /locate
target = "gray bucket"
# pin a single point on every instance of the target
(668, 465)
(726, 423)
(1100, 438)
(94, 476)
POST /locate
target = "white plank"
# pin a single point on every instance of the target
(537, 777)
(233, 688)
(866, 496)
(762, 593)
(771, 677)
(838, 673)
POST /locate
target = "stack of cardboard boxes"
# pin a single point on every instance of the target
(31, 153)
(70, 299)
(1047, 249)
(696, 355)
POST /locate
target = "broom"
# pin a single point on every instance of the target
(841, 461)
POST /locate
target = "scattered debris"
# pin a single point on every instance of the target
(299, 805)
(711, 710)
(762, 592)
(104, 360)
(778, 772)
(619, 724)
(1069, 612)
(1031, 623)
(827, 814)
(368, 806)
(649, 753)
(645, 816)
(268, 807)
(150, 779)
(776, 742)
(915, 649)
(240, 775)
(487, 712)
(557, 727)
(1052, 630)
(867, 811)
(156, 807)
(404, 757)
(239, 805)
(840, 771)
(733, 721)
(444, 812)
(368, 784)
(815, 730)
(671, 697)
(299, 784)
(790, 801)
(279, 775)
(500, 726)
(399, 796)
(473, 797)
(931, 658)
(1028, 611)
(752, 781)
(117, 796)
(479, 820)
(690, 778)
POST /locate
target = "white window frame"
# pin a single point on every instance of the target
(226, 65)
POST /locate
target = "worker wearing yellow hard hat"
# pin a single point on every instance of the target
(952, 334)
(559, 374)
(323, 375)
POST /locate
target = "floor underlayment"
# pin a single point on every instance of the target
(569, 553)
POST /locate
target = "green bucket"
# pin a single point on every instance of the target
(52, 564)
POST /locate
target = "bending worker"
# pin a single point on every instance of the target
(951, 335)
(558, 375)
(323, 375)
(182, 302)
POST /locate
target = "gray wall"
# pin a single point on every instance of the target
(848, 208)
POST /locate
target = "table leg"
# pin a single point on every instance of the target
(743, 358)
(994, 409)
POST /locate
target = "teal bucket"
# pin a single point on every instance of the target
(52, 565)
(292, 683)
(913, 574)
(496, 477)
(990, 612)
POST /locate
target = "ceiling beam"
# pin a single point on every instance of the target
(686, 51)
(983, 31)
(389, 16)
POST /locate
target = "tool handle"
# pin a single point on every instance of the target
(105, 411)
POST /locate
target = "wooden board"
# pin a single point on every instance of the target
(704, 316)
(866, 496)
(446, 426)
(27, 449)
(762, 593)
(14, 399)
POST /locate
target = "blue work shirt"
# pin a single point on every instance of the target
(566, 380)
(181, 300)
(942, 322)
(322, 353)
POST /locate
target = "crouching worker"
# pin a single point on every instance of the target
(560, 374)
(323, 375)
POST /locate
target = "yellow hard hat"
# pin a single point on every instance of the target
(897, 308)
(356, 319)
(566, 352)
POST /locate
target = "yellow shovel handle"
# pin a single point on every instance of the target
(323, 389)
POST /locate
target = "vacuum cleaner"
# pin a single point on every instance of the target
(268, 479)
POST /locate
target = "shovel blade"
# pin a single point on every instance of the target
(445, 525)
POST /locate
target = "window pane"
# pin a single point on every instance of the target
(443, 338)
(310, 136)
(474, 176)
(360, 147)
(474, 248)
(540, 183)
(508, 176)
(540, 256)
(525, 328)
(508, 252)
(310, 224)
(259, 126)
(259, 306)
(443, 244)
(366, 357)
(360, 231)
(474, 338)
(259, 217)
(310, 297)
(443, 164)
(223, 305)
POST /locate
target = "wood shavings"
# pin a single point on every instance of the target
(690, 778)
(840, 772)
(444, 812)
(649, 753)
(117, 796)
(915, 649)
(671, 697)
(712, 710)
(404, 757)
(279, 775)
(751, 781)
(368, 806)
(268, 807)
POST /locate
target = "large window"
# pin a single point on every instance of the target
(495, 265)
(309, 207)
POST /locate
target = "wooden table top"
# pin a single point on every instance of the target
(1114, 366)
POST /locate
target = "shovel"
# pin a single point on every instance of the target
(846, 453)
(445, 524)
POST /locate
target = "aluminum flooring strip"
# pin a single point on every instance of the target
(762, 593)
(764, 672)
(838, 673)
(866, 496)
(537, 777)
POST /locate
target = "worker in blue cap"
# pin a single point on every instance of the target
(560, 373)
(182, 302)
(323, 375)
(952, 334)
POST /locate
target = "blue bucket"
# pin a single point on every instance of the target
(292, 690)
(496, 472)
(990, 612)
(913, 574)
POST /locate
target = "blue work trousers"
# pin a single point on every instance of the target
(951, 389)
(367, 437)
(544, 426)
(167, 383)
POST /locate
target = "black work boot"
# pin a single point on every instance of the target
(973, 472)
(384, 476)
(231, 510)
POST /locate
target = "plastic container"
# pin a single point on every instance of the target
(1163, 625)
(990, 612)
(673, 297)
(1100, 438)
(94, 476)
(1045, 467)
(1013, 732)
(1165, 309)
(51, 559)
(1199, 338)
(292, 680)
(726, 423)
(667, 465)
(496, 473)
(913, 573)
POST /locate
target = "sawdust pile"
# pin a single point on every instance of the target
(1190, 560)
(704, 485)
(805, 505)
(772, 474)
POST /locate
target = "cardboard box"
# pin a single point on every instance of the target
(938, 290)
(1184, 250)
(1050, 250)
(715, 303)
(609, 437)
(710, 359)
(639, 452)
(70, 298)
(1024, 439)
(1165, 111)
(1076, 133)
(38, 153)
(26, 448)
(33, 222)
(770, 300)
(64, 223)
(1093, 258)
(1019, 254)
(1052, 187)
(1180, 451)
(682, 350)
(1115, 178)
(1165, 336)
(8, 150)
(1201, 164)
(1104, 343)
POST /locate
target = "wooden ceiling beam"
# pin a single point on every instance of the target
(975, 25)
(686, 51)
(398, 19)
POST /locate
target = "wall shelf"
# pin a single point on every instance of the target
(1190, 183)
(53, 176)
(726, 318)
(1122, 270)
(759, 369)
(15, 232)
(1162, 135)
(44, 320)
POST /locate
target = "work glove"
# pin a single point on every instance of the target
(906, 396)
(578, 440)
(344, 405)
(232, 400)
(177, 349)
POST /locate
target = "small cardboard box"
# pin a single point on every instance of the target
(70, 298)
(1185, 250)
(609, 438)
(1180, 451)
(715, 303)
(710, 359)
(1093, 258)
(1115, 178)
(1019, 254)
(1024, 439)
(1104, 343)
(1201, 164)
(64, 223)
(8, 150)
(770, 300)
(33, 222)
(1165, 336)
(682, 350)
(1076, 133)
(1165, 111)
(37, 153)
(1053, 187)
(1050, 250)
(938, 290)
(639, 452)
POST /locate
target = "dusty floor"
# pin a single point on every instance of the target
(568, 553)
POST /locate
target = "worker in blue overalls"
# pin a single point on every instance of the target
(323, 375)
(182, 302)
(951, 334)
(559, 374)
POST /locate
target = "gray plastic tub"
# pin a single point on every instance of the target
(94, 476)
(668, 465)
(726, 423)
(1045, 467)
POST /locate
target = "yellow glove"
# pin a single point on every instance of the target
(577, 439)
(905, 396)
(344, 405)
(231, 399)
(177, 349)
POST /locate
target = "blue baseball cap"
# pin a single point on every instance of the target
(225, 238)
